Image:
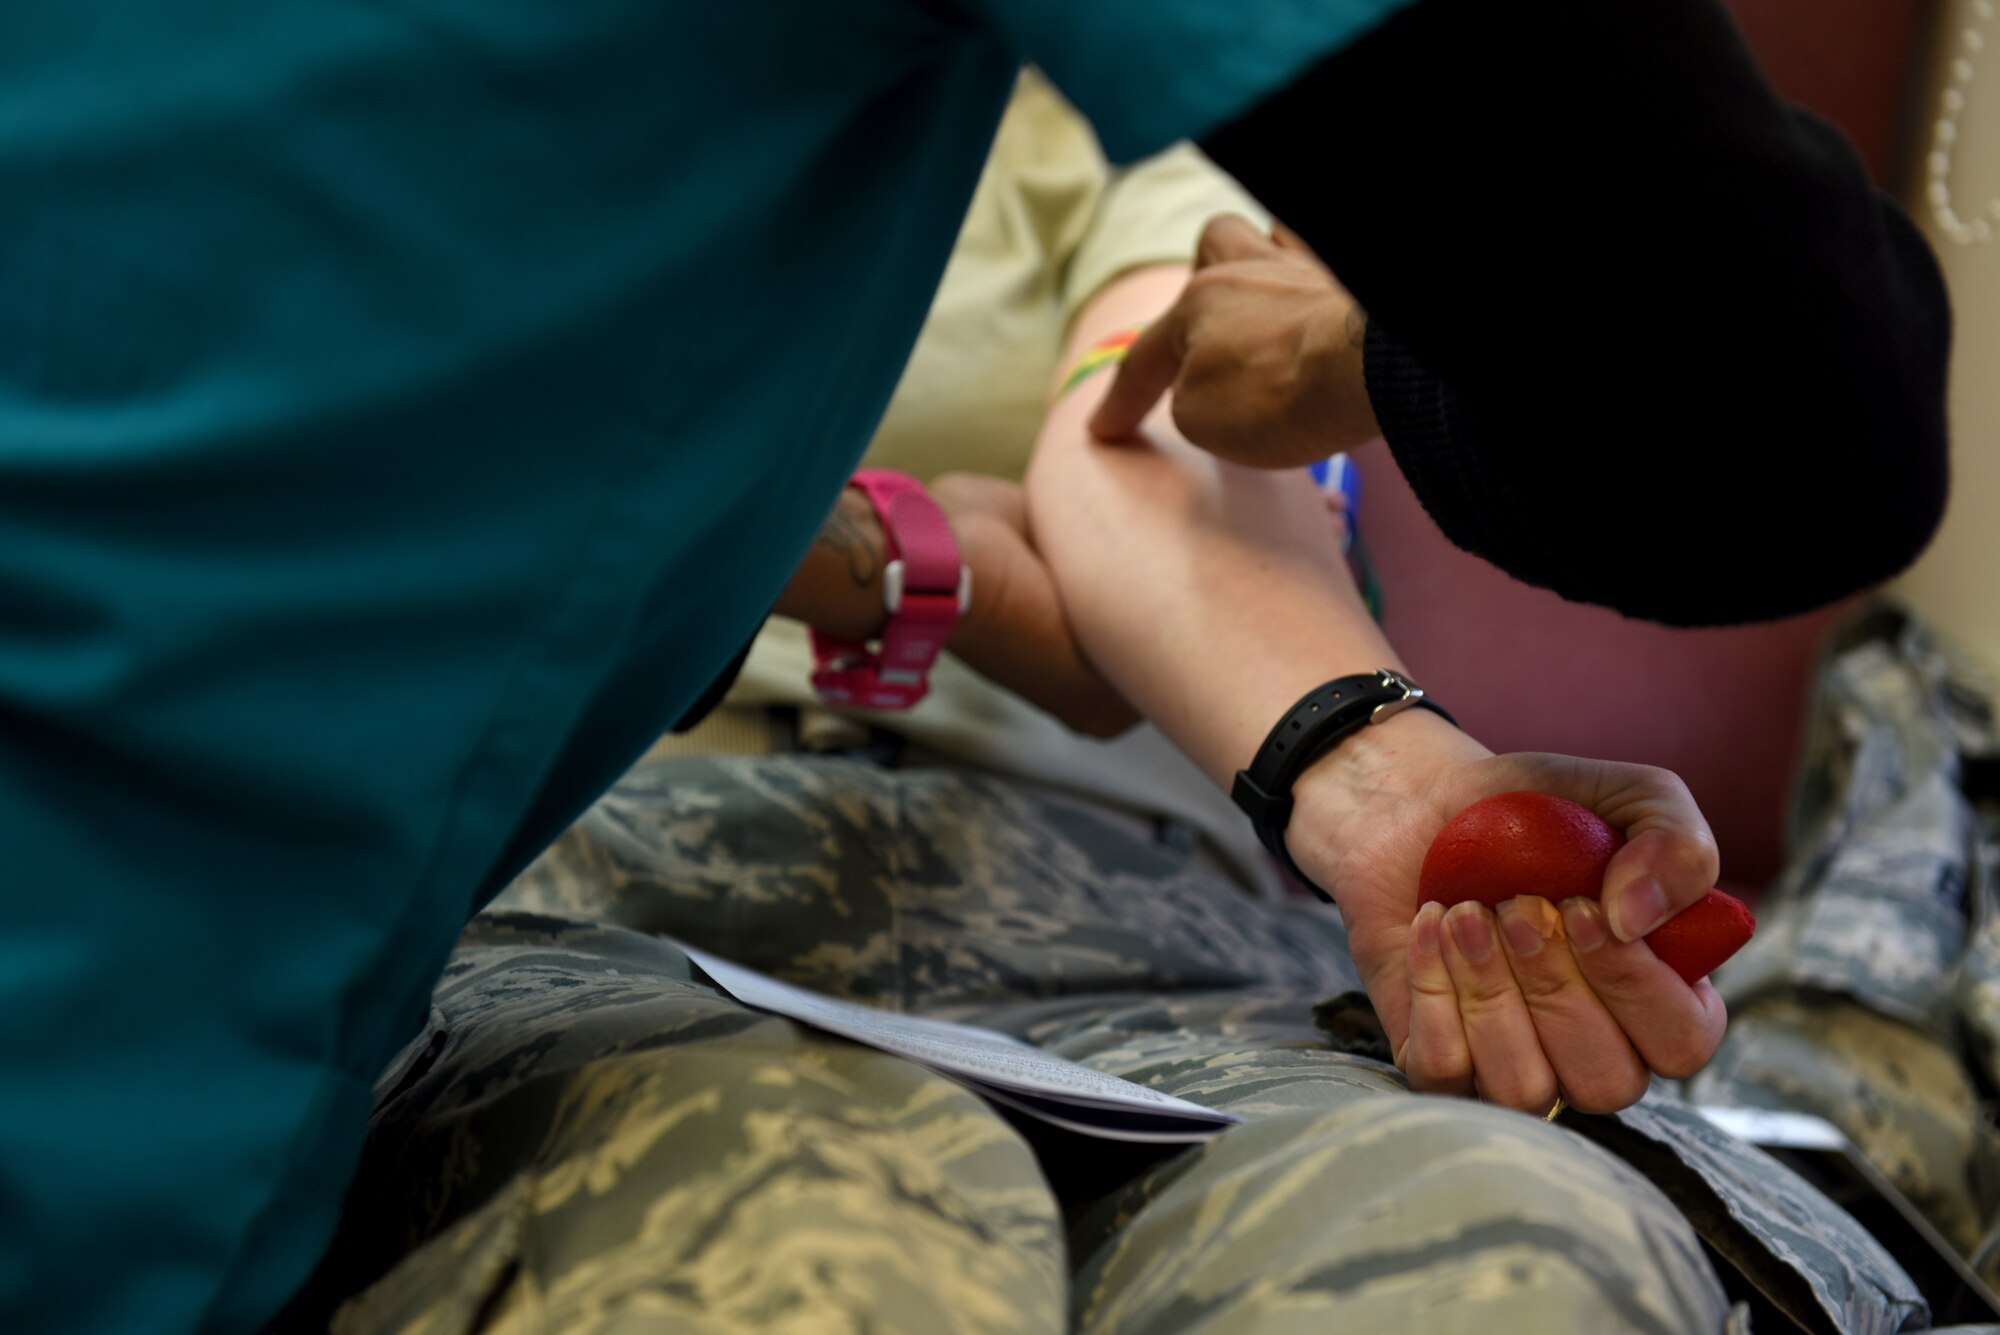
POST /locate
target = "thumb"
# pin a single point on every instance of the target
(1148, 371)
(1668, 861)
(1231, 236)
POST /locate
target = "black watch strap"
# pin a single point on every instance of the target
(1320, 720)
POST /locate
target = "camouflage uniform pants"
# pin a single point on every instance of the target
(592, 1139)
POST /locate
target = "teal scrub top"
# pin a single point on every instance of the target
(406, 408)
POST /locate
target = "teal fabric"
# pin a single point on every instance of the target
(406, 406)
(1148, 72)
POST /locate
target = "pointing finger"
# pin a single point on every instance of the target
(1148, 371)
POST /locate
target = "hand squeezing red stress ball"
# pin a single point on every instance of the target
(1537, 844)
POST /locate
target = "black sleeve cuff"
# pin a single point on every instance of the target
(1440, 453)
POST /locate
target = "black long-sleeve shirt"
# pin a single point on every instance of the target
(1640, 332)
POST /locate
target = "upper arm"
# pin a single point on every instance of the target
(1151, 213)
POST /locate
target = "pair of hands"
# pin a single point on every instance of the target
(1262, 353)
(1513, 1007)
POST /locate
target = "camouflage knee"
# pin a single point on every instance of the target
(1402, 1213)
(1901, 1096)
(604, 1142)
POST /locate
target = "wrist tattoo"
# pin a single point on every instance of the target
(843, 534)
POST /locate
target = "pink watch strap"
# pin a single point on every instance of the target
(925, 587)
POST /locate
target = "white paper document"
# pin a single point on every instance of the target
(998, 1066)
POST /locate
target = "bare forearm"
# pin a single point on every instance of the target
(1212, 596)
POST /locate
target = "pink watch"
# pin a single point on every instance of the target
(925, 586)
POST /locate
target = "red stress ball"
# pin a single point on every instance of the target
(1538, 844)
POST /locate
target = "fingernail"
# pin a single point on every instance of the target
(1428, 918)
(1472, 932)
(1584, 922)
(1528, 922)
(1638, 908)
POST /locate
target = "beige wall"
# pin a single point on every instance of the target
(1957, 583)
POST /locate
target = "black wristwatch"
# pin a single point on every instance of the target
(1320, 720)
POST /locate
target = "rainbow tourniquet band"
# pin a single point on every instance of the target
(1105, 352)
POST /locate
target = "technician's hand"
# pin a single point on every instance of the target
(1262, 352)
(1539, 999)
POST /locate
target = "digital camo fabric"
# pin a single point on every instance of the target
(1979, 972)
(599, 1141)
(576, 1051)
(1904, 1098)
(1417, 1213)
(993, 890)
(1786, 1239)
(1803, 1253)
(596, 1142)
(920, 888)
(1871, 992)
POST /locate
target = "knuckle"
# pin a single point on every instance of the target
(1542, 983)
(1665, 780)
(1694, 844)
(1486, 993)
(1222, 232)
(1432, 1053)
(1703, 857)
(1681, 1056)
(1629, 1092)
(1432, 1074)
(1606, 1090)
(1190, 409)
(1433, 983)
(1523, 1093)
(1487, 987)
(1203, 285)
(1203, 419)
(1622, 971)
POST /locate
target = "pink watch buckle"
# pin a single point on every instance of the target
(926, 587)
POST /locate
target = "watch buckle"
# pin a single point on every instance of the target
(1412, 694)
